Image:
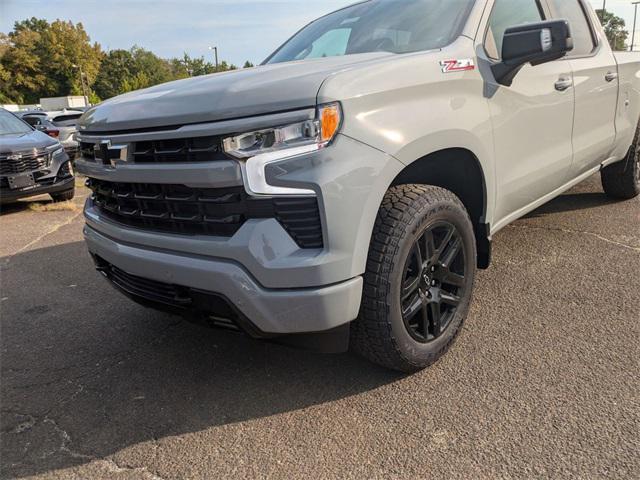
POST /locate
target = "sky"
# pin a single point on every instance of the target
(242, 29)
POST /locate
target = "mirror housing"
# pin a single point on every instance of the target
(534, 43)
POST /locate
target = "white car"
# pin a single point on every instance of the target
(60, 125)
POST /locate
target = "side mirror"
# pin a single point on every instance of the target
(534, 43)
(40, 128)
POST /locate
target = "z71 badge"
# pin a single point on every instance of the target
(450, 66)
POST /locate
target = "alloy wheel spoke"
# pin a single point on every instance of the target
(450, 299)
(454, 279)
(410, 286)
(441, 249)
(436, 319)
(451, 252)
(430, 246)
(413, 307)
(425, 320)
(416, 255)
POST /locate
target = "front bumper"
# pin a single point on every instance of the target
(57, 186)
(49, 180)
(270, 311)
(279, 286)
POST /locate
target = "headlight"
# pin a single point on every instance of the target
(288, 139)
(262, 147)
(55, 150)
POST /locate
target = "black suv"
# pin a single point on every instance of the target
(32, 163)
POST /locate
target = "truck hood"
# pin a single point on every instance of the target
(22, 142)
(223, 96)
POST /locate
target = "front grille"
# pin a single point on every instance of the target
(16, 163)
(204, 211)
(181, 150)
(199, 149)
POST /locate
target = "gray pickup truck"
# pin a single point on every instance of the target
(344, 192)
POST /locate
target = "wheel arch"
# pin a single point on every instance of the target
(459, 171)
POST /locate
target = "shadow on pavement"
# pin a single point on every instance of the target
(572, 202)
(14, 207)
(86, 373)
(20, 206)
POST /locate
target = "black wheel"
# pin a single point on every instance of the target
(64, 196)
(622, 179)
(419, 278)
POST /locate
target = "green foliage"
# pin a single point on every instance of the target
(39, 59)
(42, 59)
(248, 64)
(614, 27)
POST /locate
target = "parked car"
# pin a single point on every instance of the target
(61, 125)
(32, 163)
(349, 188)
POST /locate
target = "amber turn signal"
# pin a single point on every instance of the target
(330, 119)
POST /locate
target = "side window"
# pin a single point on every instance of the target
(331, 44)
(573, 11)
(506, 14)
(33, 121)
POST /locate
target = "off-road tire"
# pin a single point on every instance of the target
(621, 180)
(64, 196)
(380, 334)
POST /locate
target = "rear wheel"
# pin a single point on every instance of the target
(419, 278)
(622, 179)
(64, 196)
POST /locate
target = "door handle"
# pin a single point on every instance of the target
(611, 76)
(564, 84)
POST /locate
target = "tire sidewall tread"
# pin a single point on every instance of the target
(379, 333)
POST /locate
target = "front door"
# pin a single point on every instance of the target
(532, 119)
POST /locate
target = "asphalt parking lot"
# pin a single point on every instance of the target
(542, 383)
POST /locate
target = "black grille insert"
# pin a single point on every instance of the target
(199, 149)
(178, 150)
(204, 211)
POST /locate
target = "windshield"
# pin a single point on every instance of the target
(11, 125)
(396, 26)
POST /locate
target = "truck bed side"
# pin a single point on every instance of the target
(628, 112)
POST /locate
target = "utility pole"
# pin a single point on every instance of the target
(84, 86)
(635, 17)
(604, 9)
(215, 52)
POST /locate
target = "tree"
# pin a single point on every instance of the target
(614, 28)
(191, 67)
(22, 75)
(42, 59)
(115, 74)
(68, 52)
(45, 60)
(248, 64)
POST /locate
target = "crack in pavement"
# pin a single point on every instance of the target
(577, 232)
(65, 442)
(65, 446)
(112, 466)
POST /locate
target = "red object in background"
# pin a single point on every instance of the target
(53, 133)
